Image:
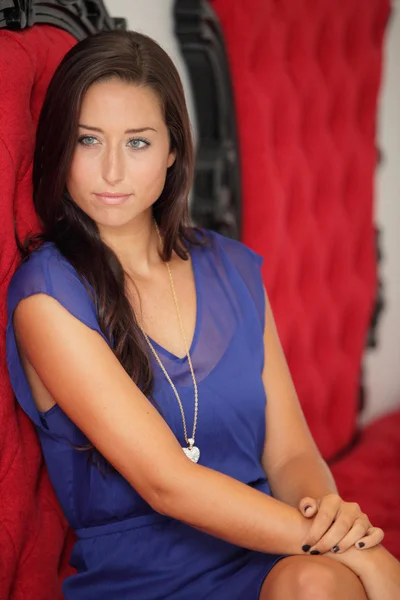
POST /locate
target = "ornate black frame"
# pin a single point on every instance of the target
(216, 201)
(80, 18)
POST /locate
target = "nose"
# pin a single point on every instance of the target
(113, 167)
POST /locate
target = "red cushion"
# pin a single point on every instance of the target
(370, 475)
(32, 527)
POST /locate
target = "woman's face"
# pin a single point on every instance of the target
(121, 156)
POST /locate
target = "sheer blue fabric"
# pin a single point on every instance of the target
(125, 550)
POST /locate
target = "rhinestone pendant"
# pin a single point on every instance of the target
(192, 452)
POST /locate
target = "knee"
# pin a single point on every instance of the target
(315, 581)
(310, 579)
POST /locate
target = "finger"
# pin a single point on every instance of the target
(374, 537)
(310, 510)
(326, 515)
(337, 536)
(308, 507)
(348, 514)
(359, 528)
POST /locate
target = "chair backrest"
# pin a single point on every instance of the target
(306, 76)
(32, 526)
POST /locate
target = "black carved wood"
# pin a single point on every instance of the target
(80, 18)
(216, 202)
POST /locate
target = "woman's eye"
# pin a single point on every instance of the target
(87, 140)
(135, 143)
(138, 143)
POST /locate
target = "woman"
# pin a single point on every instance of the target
(136, 345)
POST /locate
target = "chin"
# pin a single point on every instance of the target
(118, 221)
(113, 223)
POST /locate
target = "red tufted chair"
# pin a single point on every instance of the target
(32, 527)
(306, 75)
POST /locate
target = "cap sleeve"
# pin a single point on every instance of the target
(45, 272)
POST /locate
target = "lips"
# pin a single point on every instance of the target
(112, 199)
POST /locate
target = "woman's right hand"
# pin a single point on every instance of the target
(361, 534)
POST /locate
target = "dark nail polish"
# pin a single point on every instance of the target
(306, 548)
(335, 548)
(315, 552)
(361, 545)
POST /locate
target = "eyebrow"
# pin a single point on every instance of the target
(140, 130)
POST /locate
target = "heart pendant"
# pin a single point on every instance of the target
(193, 453)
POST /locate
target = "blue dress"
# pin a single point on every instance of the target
(124, 548)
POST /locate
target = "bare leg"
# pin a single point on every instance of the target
(311, 578)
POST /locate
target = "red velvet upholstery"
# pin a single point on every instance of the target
(370, 474)
(306, 75)
(32, 527)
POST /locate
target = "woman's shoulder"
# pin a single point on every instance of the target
(236, 251)
(235, 261)
(46, 256)
(47, 271)
(39, 270)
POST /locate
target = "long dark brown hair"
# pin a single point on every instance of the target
(136, 59)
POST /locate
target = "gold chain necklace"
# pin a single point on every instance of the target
(192, 451)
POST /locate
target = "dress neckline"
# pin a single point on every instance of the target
(192, 346)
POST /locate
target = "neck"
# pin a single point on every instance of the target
(136, 245)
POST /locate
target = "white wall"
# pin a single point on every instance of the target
(155, 18)
(383, 364)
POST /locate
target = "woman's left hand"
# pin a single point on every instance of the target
(337, 525)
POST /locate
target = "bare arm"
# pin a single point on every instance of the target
(83, 376)
(304, 475)
(291, 459)
(378, 570)
(295, 468)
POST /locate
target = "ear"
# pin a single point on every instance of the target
(171, 159)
